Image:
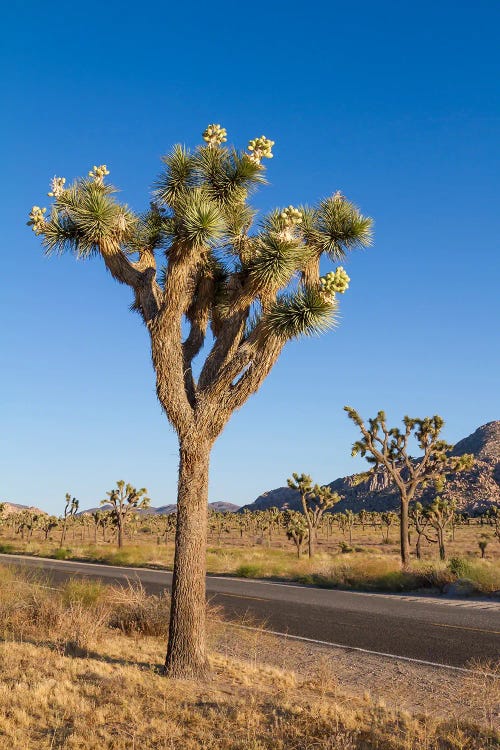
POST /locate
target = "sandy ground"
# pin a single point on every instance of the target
(397, 684)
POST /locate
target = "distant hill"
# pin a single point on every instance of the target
(474, 490)
(9, 508)
(165, 510)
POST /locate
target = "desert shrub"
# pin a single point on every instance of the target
(434, 575)
(133, 611)
(460, 567)
(63, 553)
(85, 592)
(29, 609)
(249, 570)
(485, 575)
(345, 548)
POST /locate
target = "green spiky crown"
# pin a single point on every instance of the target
(201, 205)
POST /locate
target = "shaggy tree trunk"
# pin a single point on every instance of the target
(419, 547)
(120, 534)
(442, 548)
(186, 653)
(405, 547)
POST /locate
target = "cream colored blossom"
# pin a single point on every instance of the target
(214, 135)
(291, 216)
(121, 223)
(57, 187)
(37, 219)
(99, 173)
(260, 148)
(335, 281)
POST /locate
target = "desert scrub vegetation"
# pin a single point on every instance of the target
(351, 567)
(74, 617)
(80, 668)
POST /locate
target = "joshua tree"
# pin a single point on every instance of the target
(274, 519)
(70, 510)
(27, 521)
(388, 448)
(482, 544)
(296, 529)
(315, 501)
(124, 499)
(387, 520)
(170, 524)
(421, 521)
(197, 265)
(364, 517)
(218, 523)
(47, 524)
(242, 521)
(349, 520)
(98, 521)
(440, 514)
(494, 516)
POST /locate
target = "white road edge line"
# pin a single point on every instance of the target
(357, 648)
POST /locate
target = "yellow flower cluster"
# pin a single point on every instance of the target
(37, 219)
(260, 148)
(99, 173)
(214, 135)
(57, 187)
(292, 216)
(335, 281)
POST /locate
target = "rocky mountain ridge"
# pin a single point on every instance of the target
(474, 490)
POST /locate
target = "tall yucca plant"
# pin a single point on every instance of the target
(197, 261)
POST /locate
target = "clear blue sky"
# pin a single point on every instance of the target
(394, 103)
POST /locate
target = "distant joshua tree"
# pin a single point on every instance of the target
(296, 529)
(124, 499)
(48, 524)
(207, 281)
(494, 517)
(315, 501)
(70, 510)
(389, 448)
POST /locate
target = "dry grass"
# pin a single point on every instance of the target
(370, 566)
(80, 669)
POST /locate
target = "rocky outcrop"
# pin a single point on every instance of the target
(474, 490)
(9, 508)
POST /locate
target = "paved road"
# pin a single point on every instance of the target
(443, 631)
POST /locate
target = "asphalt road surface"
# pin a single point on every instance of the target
(433, 629)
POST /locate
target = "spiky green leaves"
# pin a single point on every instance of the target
(178, 176)
(275, 260)
(336, 227)
(301, 482)
(198, 220)
(150, 231)
(84, 216)
(225, 175)
(304, 313)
